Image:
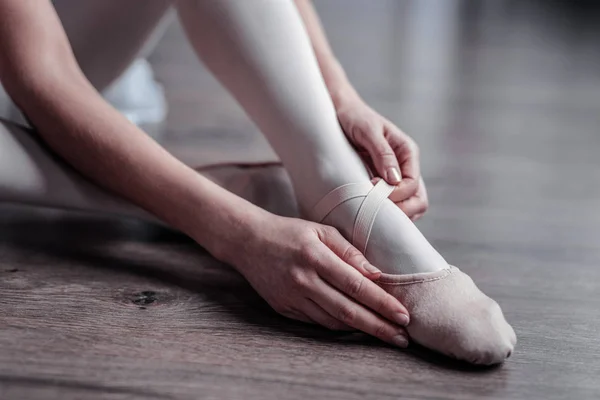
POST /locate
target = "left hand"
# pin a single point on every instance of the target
(392, 154)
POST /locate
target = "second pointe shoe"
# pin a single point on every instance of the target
(448, 312)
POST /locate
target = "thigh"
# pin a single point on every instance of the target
(31, 174)
(107, 35)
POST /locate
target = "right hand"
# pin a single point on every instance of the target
(309, 272)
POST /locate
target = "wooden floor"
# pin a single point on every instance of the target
(504, 100)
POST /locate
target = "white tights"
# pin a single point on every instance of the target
(260, 51)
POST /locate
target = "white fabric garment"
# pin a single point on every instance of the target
(260, 52)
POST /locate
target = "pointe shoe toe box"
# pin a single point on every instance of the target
(451, 315)
(486, 338)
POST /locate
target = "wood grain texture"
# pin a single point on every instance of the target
(504, 100)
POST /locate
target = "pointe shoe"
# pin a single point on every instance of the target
(448, 312)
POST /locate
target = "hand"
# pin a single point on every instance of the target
(389, 152)
(415, 206)
(309, 272)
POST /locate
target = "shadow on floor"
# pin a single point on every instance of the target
(166, 257)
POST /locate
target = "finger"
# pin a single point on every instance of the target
(413, 206)
(348, 280)
(417, 216)
(319, 316)
(348, 253)
(383, 156)
(407, 154)
(350, 313)
(368, 162)
(402, 192)
(416, 206)
(422, 191)
(297, 315)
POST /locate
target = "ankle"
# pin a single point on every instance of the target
(323, 176)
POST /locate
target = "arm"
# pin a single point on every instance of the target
(340, 88)
(393, 154)
(281, 257)
(41, 74)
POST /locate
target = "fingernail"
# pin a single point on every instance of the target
(402, 319)
(371, 268)
(400, 341)
(393, 176)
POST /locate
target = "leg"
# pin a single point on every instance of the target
(31, 174)
(261, 53)
(108, 35)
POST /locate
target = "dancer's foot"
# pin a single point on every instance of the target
(448, 312)
(271, 69)
(451, 315)
(395, 244)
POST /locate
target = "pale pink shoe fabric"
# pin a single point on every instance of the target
(374, 196)
(448, 312)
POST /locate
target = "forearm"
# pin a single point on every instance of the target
(101, 144)
(40, 73)
(338, 85)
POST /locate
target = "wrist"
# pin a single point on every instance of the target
(339, 87)
(343, 95)
(228, 231)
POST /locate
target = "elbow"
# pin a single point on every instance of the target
(27, 81)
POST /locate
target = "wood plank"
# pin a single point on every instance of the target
(503, 98)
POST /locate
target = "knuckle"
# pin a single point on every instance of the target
(384, 150)
(383, 304)
(330, 231)
(333, 325)
(390, 132)
(347, 314)
(307, 255)
(306, 238)
(359, 134)
(354, 287)
(327, 324)
(351, 254)
(287, 314)
(280, 309)
(396, 197)
(299, 278)
(412, 187)
(381, 331)
(326, 234)
(370, 128)
(408, 145)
